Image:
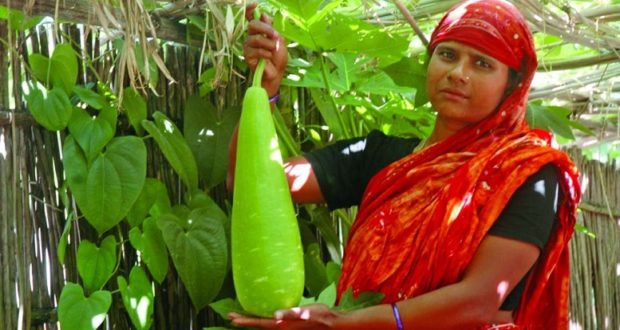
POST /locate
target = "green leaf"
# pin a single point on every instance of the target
(328, 296)
(225, 306)
(76, 312)
(138, 298)
(93, 133)
(52, 109)
(381, 84)
(199, 253)
(174, 148)
(153, 200)
(63, 241)
(303, 9)
(89, 97)
(208, 135)
(333, 271)
(106, 190)
(64, 68)
(554, 119)
(135, 107)
(584, 230)
(151, 245)
(316, 278)
(39, 65)
(18, 20)
(96, 263)
(365, 299)
(327, 110)
(206, 81)
(410, 72)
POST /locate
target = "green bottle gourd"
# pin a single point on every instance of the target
(267, 256)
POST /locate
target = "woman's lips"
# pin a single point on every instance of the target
(455, 94)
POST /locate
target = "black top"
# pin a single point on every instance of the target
(344, 168)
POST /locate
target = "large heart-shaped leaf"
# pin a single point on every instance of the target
(153, 200)
(106, 190)
(77, 312)
(208, 135)
(174, 148)
(52, 109)
(96, 263)
(199, 253)
(93, 133)
(138, 297)
(135, 108)
(64, 68)
(150, 243)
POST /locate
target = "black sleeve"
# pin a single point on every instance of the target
(344, 168)
(530, 212)
(529, 217)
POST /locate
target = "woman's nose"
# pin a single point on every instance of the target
(458, 74)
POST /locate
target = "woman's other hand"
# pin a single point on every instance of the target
(310, 317)
(265, 42)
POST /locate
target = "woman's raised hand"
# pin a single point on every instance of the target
(265, 42)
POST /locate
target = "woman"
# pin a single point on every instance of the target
(468, 231)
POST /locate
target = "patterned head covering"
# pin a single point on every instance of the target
(422, 218)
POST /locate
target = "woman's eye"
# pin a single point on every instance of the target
(447, 54)
(483, 64)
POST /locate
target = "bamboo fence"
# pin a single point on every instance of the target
(595, 262)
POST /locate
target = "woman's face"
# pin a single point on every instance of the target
(464, 85)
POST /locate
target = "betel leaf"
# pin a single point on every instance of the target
(39, 65)
(150, 243)
(208, 135)
(199, 253)
(51, 109)
(554, 119)
(89, 97)
(106, 189)
(138, 298)
(93, 133)
(175, 149)
(153, 200)
(135, 108)
(64, 68)
(96, 263)
(77, 312)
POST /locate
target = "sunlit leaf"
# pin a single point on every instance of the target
(77, 312)
(138, 298)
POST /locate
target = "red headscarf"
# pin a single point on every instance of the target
(423, 217)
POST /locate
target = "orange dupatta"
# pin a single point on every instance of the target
(423, 217)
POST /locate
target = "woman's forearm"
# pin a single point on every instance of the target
(451, 307)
